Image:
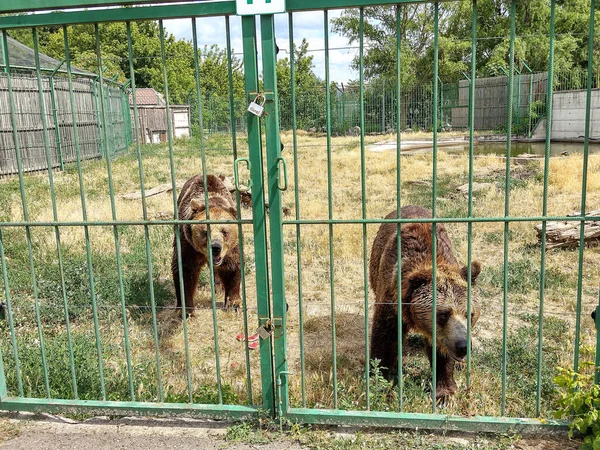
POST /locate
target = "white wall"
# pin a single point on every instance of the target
(568, 115)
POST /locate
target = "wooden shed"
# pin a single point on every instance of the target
(152, 117)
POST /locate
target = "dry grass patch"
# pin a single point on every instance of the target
(487, 239)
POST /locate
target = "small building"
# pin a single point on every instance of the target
(152, 118)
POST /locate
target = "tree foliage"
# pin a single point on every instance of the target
(493, 37)
(146, 57)
(309, 90)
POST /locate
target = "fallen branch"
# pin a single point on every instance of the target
(567, 233)
(167, 187)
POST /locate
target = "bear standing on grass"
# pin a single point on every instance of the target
(194, 240)
(416, 279)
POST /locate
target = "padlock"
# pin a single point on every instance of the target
(265, 331)
(257, 106)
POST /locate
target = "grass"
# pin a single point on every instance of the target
(266, 432)
(525, 199)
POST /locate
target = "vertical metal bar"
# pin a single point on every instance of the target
(597, 325)
(545, 208)
(11, 321)
(144, 211)
(330, 209)
(56, 124)
(106, 110)
(116, 238)
(258, 212)
(84, 216)
(238, 204)
(399, 203)
(297, 205)
(15, 133)
(436, 28)
(509, 112)
(471, 159)
(208, 243)
(42, 101)
(3, 389)
(101, 148)
(586, 148)
(267, 28)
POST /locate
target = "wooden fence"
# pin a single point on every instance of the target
(59, 118)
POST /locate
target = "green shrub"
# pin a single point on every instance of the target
(580, 401)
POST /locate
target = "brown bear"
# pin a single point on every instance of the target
(194, 240)
(416, 284)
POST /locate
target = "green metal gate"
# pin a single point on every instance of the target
(268, 171)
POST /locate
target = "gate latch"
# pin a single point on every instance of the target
(266, 330)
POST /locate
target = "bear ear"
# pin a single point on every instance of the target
(475, 271)
(196, 205)
(414, 281)
(233, 212)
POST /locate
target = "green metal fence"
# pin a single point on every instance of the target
(90, 325)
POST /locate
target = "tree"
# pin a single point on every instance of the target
(493, 33)
(309, 90)
(146, 57)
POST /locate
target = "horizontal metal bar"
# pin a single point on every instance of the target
(442, 220)
(198, 9)
(30, 5)
(118, 14)
(98, 407)
(107, 223)
(427, 421)
(7, 6)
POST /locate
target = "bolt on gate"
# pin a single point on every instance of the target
(93, 330)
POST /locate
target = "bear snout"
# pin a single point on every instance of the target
(216, 248)
(461, 348)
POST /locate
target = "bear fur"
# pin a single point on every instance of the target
(416, 284)
(194, 246)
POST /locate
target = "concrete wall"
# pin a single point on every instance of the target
(568, 114)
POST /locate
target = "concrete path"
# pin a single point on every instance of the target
(131, 433)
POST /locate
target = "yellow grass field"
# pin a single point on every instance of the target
(484, 396)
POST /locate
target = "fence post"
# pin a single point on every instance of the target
(383, 110)
(596, 317)
(55, 116)
(99, 121)
(530, 97)
(258, 212)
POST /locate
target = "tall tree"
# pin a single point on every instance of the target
(493, 32)
(309, 90)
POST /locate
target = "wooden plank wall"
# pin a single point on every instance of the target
(61, 131)
(490, 100)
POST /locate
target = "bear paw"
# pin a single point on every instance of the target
(232, 304)
(444, 395)
(460, 365)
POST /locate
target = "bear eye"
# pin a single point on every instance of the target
(224, 232)
(443, 317)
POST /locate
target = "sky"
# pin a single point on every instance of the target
(309, 25)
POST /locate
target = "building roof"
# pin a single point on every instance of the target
(147, 97)
(21, 56)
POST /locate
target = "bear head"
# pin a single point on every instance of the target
(451, 305)
(223, 237)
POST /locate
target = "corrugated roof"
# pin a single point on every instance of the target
(19, 55)
(147, 97)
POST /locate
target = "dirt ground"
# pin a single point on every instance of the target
(55, 433)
